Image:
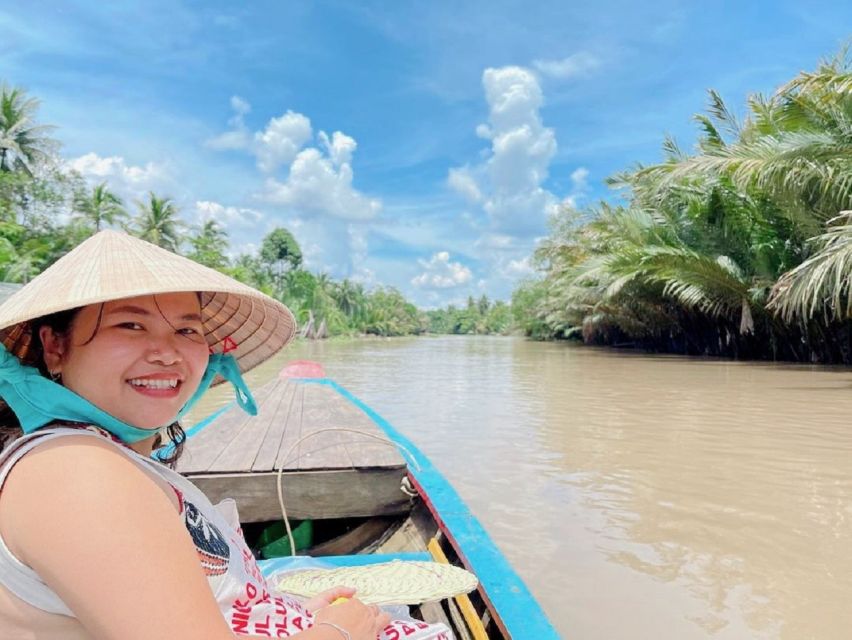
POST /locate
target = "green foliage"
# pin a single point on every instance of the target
(477, 317)
(98, 207)
(157, 222)
(388, 313)
(739, 249)
(209, 244)
(23, 143)
(280, 253)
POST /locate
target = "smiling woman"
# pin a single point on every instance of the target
(139, 359)
(129, 336)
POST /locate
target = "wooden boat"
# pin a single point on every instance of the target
(431, 522)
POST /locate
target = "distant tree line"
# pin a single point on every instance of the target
(477, 317)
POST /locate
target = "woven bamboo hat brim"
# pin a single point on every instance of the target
(111, 265)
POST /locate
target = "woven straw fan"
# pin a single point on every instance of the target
(396, 582)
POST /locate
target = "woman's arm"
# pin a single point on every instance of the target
(110, 543)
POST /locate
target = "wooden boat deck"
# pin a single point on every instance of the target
(238, 456)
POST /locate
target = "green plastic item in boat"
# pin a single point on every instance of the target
(274, 542)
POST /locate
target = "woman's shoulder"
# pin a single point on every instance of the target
(55, 450)
(73, 463)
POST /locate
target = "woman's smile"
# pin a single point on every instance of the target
(158, 385)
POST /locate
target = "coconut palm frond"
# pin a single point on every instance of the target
(719, 111)
(822, 282)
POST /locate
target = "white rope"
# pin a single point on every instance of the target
(280, 471)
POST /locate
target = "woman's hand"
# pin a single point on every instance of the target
(327, 597)
(360, 621)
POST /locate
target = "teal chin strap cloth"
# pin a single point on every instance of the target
(226, 366)
(38, 401)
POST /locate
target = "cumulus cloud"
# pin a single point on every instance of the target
(318, 186)
(576, 65)
(128, 181)
(339, 148)
(319, 178)
(440, 273)
(281, 140)
(277, 144)
(226, 216)
(509, 182)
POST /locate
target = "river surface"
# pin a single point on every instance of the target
(638, 496)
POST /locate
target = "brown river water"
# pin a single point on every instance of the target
(638, 496)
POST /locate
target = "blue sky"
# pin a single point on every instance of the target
(422, 144)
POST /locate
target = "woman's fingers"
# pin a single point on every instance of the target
(361, 621)
(328, 597)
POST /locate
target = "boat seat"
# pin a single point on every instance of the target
(268, 567)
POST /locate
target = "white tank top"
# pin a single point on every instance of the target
(245, 598)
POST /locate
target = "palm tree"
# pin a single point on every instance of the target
(822, 284)
(209, 245)
(157, 222)
(795, 145)
(22, 142)
(350, 297)
(99, 207)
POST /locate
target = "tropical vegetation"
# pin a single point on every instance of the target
(46, 210)
(742, 248)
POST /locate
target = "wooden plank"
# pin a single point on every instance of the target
(475, 625)
(265, 460)
(243, 448)
(364, 451)
(322, 449)
(324, 408)
(205, 446)
(356, 540)
(292, 431)
(319, 494)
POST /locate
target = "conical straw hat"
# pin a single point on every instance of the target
(112, 265)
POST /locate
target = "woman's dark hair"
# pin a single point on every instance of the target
(60, 323)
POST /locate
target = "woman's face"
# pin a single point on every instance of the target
(140, 363)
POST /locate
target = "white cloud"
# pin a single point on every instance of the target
(238, 137)
(127, 181)
(462, 182)
(318, 186)
(578, 179)
(226, 216)
(340, 148)
(497, 242)
(519, 268)
(440, 273)
(240, 106)
(509, 182)
(275, 145)
(506, 188)
(282, 139)
(576, 65)
(319, 178)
